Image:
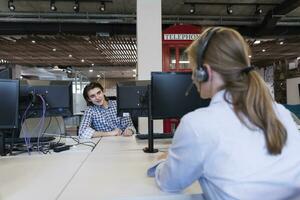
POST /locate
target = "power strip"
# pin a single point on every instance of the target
(61, 148)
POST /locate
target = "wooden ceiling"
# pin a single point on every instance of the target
(114, 51)
(69, 50)
(271, 50)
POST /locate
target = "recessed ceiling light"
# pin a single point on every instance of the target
(263, 50)
(70, 55)
(281, 43)
(93, 64)
(53, 49)
(250, 56)
(11, 5)
(76, 6)
(102, 7)
(229, 10)
(82, 60)
(258, 10)
(98, 76)
(91, 70)
(257, 42)
(192, 9)
(33, 41)
(52, 5)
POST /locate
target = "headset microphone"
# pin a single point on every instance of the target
(189, 88)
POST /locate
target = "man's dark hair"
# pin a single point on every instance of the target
(89, 87)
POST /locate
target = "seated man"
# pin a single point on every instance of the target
(100, 118)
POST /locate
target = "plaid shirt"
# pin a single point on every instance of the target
(98, 118)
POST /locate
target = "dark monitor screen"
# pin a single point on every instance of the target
(56, 94)
(132, 97)
(168, 95)
(6, 73)
(9, 103)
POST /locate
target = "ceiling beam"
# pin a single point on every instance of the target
(18, 28)
(106, 1)
(277, 32)
(240, 3)
(274, 15)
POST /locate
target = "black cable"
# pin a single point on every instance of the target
(87, 143)
(47, 126)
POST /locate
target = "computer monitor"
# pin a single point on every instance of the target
(6, 73)
(56, 94)
(9, 103)
(132, 98)
(168, 95)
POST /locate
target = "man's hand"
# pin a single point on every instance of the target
(116, 132)
(127, 132)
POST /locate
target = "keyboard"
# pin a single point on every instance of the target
(155, 136)
(32, 140)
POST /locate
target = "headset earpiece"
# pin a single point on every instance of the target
(201, 73)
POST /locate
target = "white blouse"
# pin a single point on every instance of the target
(229, 160)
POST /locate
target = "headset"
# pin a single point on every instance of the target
(200, 73)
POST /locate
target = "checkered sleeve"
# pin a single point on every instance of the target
(126, 122)
(85, 130)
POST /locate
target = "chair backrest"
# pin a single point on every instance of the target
(295, 118)
(293, 108)
(52, 125)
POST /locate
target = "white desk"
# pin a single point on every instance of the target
(125, 144)
(37, 176)
(116, 169)
(40, 176)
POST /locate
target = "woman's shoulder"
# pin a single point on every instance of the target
(204, 113)
(280, 109)
(198, 117)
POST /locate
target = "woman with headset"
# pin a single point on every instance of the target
(243, 145)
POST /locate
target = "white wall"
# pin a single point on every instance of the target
(79, 103)
(149, 38)
(149, 48)
(292, 91)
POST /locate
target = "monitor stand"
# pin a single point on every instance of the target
(2, 144)
(150, 148)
